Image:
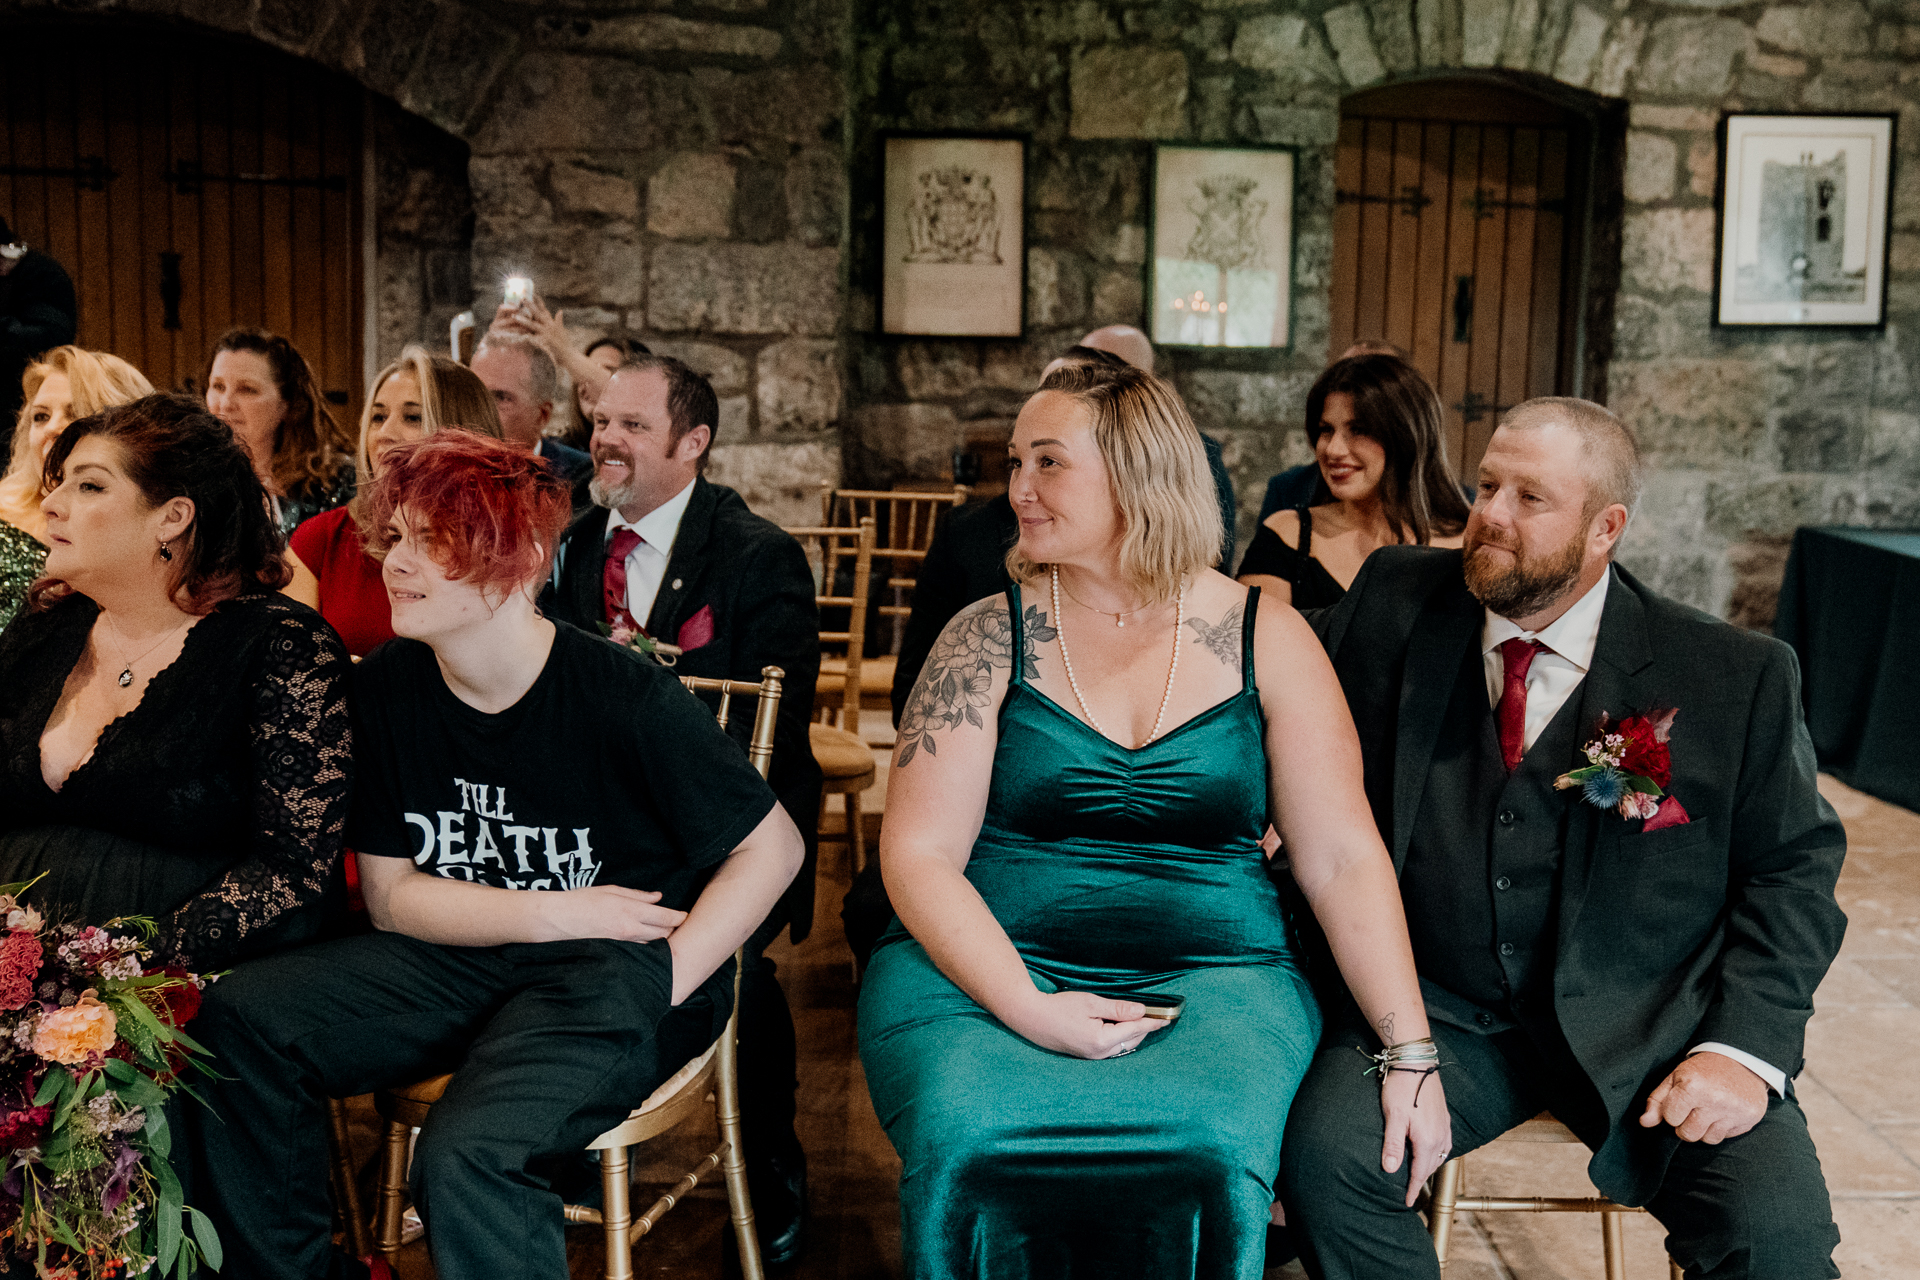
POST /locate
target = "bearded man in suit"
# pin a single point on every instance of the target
(1647, 979)
(665, 549)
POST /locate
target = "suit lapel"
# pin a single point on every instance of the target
(1442, 631)
(588, 552)
(1617, 683)
(686, 562)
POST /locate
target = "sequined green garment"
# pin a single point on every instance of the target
(21, 560)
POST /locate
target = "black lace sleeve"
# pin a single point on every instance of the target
(302, 748)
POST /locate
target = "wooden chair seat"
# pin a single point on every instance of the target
(843, 757)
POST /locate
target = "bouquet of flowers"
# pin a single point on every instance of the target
(90, 1050)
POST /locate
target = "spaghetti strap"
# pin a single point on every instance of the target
(1246, 638)
(1019, 648)
(1305, 513)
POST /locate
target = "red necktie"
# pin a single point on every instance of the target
(615, 581)
(1511, 713)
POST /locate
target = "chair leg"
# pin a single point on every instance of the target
(856, 833)
(733, 1166)
(617, 1213)
(346, 1187)
(1674, 1271)
(393, 1188)
(1613, 1245)
(1446, 1190)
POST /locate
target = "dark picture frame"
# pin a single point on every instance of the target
(1803, 214)
(953, 234)
(1220, 246)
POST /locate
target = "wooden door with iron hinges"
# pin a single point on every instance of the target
(189, 183)
(1455, 239)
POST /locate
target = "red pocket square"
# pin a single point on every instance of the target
(1669, 814)
(696, 632)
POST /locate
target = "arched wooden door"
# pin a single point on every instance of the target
(1462, 223)
(188, 183)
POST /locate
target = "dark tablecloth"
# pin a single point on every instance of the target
(1850, 607)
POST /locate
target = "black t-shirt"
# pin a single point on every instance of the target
(607, 771)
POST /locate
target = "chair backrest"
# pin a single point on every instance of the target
(906, 521)
(767, 689)
(828, 547)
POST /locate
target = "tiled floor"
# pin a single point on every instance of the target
(1861, 1091)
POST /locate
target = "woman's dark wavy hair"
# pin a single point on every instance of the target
(1395, 406)
(311, 446)
(172, 447)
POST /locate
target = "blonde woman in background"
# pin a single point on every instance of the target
(415, 396)
(64, 384)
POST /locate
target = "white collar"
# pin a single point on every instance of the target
(1572, 635)
(658, 527)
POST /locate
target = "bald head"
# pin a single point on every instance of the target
(1377, 347)
(1125, 341)
(1615, 472)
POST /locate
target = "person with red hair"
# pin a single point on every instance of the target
(560, 850)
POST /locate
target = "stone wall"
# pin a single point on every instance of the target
(1752, 433)
(423, 231)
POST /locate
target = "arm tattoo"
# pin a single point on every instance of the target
(958, 678)
(1386, 1029)
(1222, 640)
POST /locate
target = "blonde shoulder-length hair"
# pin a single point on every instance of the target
(1170, 526)
(451, 395)
(95, 381)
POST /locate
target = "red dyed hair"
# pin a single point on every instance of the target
(495, 511)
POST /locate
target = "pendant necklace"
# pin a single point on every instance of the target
(125, 678)
(1066, 659)
(1119, 619)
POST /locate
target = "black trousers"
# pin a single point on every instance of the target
(551, 1044)
(1753, 1206)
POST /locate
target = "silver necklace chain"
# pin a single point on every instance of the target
(125, 678)
(1119, 619)
(1066, 659)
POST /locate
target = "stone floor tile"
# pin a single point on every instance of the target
(1856, 1157)
(1900, 974)
(1866, 1056)
(1852, 984)
(1879, 1239)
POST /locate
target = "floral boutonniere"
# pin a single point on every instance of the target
(637, 639)
(1631, 765)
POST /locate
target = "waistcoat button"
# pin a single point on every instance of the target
(1503, 883)
(1506, 948)
(1508, 817)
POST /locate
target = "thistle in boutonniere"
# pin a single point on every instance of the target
(1631, 765)
(637, 639)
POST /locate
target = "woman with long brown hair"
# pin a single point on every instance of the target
(259, 384)
(1374, 423)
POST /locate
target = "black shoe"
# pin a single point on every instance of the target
(779, 1189)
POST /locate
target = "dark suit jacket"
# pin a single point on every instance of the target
(1716, 930)
(756, 579)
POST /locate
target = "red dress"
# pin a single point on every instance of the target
(353, 598)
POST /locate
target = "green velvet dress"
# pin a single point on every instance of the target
(1110, 869)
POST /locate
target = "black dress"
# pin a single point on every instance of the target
(216, 806)
(1313, 586)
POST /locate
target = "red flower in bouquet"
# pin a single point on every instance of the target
(19, 963)
(1646, 752)
(24, 1127)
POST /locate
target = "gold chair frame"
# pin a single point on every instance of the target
(715, 1074)
(907, 519)
(1445, 1201)
(846, 735)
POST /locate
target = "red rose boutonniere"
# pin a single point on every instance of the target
(1631, 765)
(635, 637)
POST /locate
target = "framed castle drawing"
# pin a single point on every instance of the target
(1804, 209)
(953, 236)
(1221, 246)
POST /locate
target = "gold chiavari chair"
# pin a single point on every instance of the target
(1446, 1200)
(846, 761)
(906, 521)
(713, 1075)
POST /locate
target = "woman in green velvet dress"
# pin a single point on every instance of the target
(1083, 776)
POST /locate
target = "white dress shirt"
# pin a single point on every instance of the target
(647, 562)
(1556, 672)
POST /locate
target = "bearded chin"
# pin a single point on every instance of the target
(1529, 585)
(609, 495)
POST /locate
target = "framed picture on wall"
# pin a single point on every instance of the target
(953, 235)
(1804, 210)
(1221, 246)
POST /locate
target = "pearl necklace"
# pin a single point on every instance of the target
(1066, 659)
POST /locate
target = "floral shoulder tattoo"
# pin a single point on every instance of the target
(958, 678)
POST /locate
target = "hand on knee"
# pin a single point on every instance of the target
(1707, 1098)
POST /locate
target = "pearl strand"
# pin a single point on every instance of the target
(1066, 659)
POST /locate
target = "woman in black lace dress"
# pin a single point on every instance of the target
(174, 735)
(1374, 423)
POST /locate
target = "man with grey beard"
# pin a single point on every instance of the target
(1640, 963)
(665, 549)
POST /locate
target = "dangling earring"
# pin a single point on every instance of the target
(166, 553)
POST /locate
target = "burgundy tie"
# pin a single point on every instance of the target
(1511, 714)
(623, 543)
